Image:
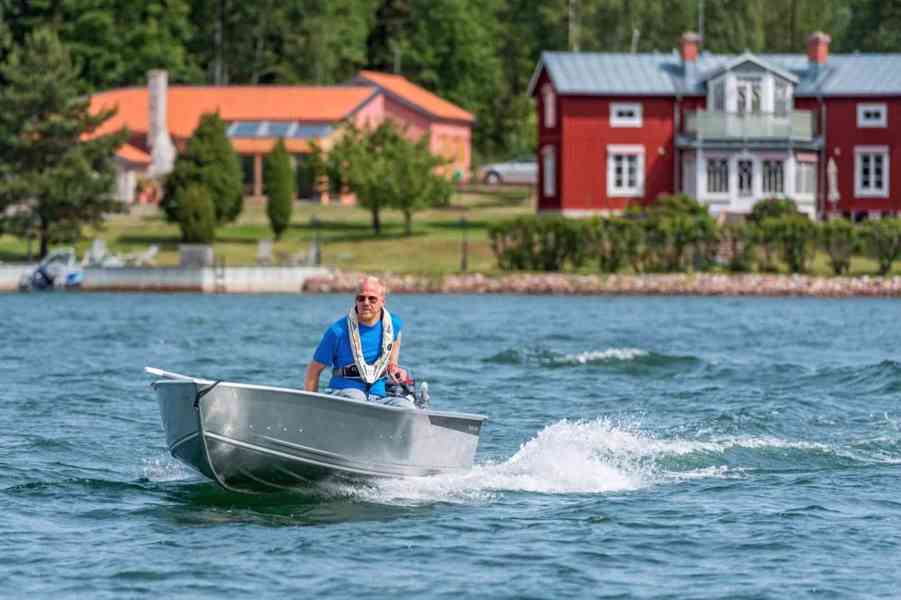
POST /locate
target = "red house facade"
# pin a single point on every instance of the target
(820, 130)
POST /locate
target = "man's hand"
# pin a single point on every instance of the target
(397, 374)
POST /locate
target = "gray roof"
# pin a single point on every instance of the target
(582, 73)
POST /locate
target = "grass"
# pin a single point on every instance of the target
(347, 239)
(345, 232)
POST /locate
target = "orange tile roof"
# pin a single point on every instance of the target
(133, 154)
(265, 145)
(420, 97)
(186, 104)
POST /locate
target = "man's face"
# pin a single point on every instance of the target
(370, 300)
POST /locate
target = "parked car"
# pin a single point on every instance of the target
(519, 170)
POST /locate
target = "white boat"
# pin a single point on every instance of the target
(254, 438)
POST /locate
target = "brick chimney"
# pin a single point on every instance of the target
(818, 47)
(691, 46)
(162, 150)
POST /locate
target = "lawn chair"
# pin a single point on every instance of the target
(264, 253)
(146, 258)
(95, 254)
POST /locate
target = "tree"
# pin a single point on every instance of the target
(386, 170)
(55, 173)
(208, 160)
(883, 242)
(196, 215)
(278, 177)
(419, 185)
(839, 238)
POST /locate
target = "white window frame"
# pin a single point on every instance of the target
(549, 171)
(550, 106)
(626, 191)
(879, 107)
(763, 177)
(721, 161)
(859, 153)
(617, 120)
(814, 166)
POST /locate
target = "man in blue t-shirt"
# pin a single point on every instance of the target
(362, 348)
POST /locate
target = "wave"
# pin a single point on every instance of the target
(610, 356)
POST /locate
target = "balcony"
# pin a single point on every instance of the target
(710, 125)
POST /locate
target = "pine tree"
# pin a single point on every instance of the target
(208, 160)
(55, 174)
(278, 177)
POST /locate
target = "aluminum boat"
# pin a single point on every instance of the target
(253, 438)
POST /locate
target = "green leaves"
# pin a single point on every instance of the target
(883, 242)
(51, 177)
(278, 177)
(210, 161)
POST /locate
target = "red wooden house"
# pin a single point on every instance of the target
(822, 130)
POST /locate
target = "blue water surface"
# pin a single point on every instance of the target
(637, 448)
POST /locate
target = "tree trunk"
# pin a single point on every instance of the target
(408, 223)
(44, 233)
(376, 221)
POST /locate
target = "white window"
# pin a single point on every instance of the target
(550, 106)
(781, 98)
(745, 177)
(806, 178)
(871, 171)
(549, 181)
(719, 96)
(623, 114)
(871, 115)
(773, 176)
(749, 94)
(625, 170)
(717, 176)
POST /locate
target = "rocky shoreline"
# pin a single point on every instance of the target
(695, 284)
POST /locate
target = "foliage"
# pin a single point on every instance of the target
(196, 215)
(612, 242)
(679, 233)
(278, 176)
(774, 208)
(210, 161)
(386, 170)
(840, 239)
(740, 241)
(796, 234)
(55, 174)
(882, 240)
(536, 243)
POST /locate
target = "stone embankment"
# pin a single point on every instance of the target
(701, 284)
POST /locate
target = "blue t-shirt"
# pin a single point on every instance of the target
(334, 350)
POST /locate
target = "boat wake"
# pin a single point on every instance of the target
(610, 357)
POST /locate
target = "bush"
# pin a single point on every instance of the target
(796, 234)
(772, 208)
(612, 242)
(537, 243)
(740, 240)
(839, 238)
(883, 242)
(279, 179)
(210, 161)
(196, 215)
(679, 233)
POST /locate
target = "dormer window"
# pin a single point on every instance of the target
(550, 106)
(781, 98)
(625, 114)
(749, 95)
(871, 115)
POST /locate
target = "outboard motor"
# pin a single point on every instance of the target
(407, 389)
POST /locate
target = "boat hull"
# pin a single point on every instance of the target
(257, 438)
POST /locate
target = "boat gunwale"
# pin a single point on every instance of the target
(296, 392)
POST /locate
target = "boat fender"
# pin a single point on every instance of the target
(203, 392)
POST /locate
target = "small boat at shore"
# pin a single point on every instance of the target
(253, 438)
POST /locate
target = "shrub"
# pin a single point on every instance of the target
(679, 233)
(196, 215)
(772, 208)
(740, 241)
(883, 242)
(839, 238)
(279, 179)
(210, 161)
(537, 243)
(796, 233)
(612, 242)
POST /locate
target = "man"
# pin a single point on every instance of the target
(362, 349)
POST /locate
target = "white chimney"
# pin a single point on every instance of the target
(162, 150)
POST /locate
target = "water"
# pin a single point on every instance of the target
(638, 447)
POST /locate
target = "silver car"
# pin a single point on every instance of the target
(523, 170)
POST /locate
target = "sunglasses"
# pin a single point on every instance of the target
(371, 299)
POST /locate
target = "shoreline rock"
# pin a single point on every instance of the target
(684, 284)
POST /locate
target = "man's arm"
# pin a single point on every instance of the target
(311, 381)
(395, 372)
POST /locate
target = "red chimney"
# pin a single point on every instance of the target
(691, 44)
(818, 47)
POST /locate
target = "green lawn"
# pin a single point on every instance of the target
(348, 241)
(347, 238)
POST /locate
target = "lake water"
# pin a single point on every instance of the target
(637, 447)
